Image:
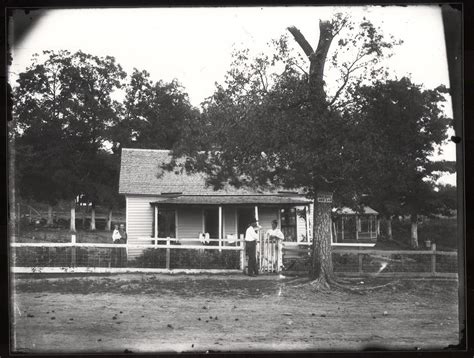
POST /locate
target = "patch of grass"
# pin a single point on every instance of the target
(442, 231)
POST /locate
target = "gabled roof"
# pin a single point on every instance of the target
(367, 210)
(141, 173)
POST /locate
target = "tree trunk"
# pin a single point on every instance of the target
(72, 226)
(321, 258)
(414, 231)
(108, 226)
(92, 227)
(49, 222)
(389, 228)
(316, 58)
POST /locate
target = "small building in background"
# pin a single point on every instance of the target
(351, 228)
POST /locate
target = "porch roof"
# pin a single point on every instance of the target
(233, 200)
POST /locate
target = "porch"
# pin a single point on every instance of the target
(350, 227)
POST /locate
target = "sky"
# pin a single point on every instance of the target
(194, 45)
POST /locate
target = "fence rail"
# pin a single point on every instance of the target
(168, 257)
(84, 257)
(380, 263)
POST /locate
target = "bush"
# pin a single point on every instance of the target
(204, 259)
(150, 258)
(188, 259)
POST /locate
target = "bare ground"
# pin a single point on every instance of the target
(163, 313)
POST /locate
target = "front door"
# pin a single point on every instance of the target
(245, 216)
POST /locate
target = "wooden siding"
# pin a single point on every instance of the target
(139, 216)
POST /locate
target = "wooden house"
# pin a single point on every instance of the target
(165, 204)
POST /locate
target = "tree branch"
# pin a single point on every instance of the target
(338, 92)
(350, 70)
(301, 40)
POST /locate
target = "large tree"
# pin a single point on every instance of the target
(151, 114)
(284, 129)
(63, 109)
(404, 125)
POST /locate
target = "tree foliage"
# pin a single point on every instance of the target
(401, 125)
(63, 109)
(272, 123)
(151, 114)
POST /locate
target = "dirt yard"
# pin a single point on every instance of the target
(164, 313)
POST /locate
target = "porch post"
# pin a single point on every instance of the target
(306, 209)
(357, 227)
(258, 243)
(342, 225)
(377, 234)
(156, 222)
(220, 228)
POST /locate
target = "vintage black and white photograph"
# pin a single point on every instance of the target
(234, 179)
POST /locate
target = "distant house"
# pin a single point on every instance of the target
(161, 204)
(352, 228)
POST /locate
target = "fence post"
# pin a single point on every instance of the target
(360, 257)
(433, 259)
(73, 250)
(242, 252)
(168, 243)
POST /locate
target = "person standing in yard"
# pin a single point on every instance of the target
(251, 237)
(115, 250)
(276, 237)
(123, 240)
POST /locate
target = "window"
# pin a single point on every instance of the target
(166, 223)
(288, 223)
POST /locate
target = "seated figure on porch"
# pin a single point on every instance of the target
(275, 236)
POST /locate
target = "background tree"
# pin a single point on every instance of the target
(401, 126)
(151, 115)
(63, 110)
(283, 129)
